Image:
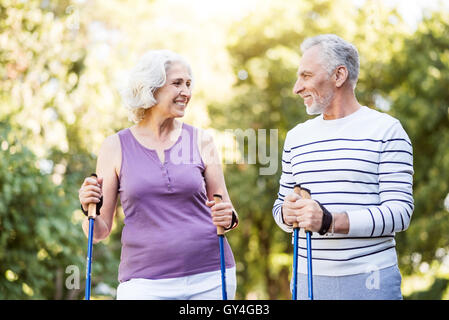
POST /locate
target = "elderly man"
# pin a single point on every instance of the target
(358, 165)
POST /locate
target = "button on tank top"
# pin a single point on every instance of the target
(168, 230)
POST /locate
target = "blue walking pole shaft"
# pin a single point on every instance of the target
(295, 263)
(91, 214)
(305, 194)
(220, 233)
(309, 264)
(89, 258)
(223, 269)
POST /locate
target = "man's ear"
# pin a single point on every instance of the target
(341, 75)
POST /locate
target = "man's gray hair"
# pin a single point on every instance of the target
(336, 52)
(145, 78)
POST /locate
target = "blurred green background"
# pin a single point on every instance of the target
(62, 63)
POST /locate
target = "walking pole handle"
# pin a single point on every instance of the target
(304, 193)
(218, 198)
(92, 211)
(92, 207)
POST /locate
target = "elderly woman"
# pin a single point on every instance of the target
(164, 171)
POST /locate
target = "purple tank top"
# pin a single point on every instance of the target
(168, 230)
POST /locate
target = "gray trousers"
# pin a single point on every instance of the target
(382, 284)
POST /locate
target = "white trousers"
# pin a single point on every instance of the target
(202, 286)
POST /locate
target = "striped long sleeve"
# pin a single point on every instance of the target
(286, 185)
(394, 180)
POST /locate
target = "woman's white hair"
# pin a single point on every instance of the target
(336, 52)
(145, 78)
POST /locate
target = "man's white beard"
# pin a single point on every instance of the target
(318, 107)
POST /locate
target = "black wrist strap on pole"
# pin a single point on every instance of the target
(233, 222)
(99, 204)
(327, 220)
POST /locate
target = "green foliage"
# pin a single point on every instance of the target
(40, 234)
(37, 240)
(435, 292)
(45, 121)
(415, 82)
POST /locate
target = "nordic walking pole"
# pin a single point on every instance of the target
(91, 214)
(304, 193)
(295, 260)
(220, 233)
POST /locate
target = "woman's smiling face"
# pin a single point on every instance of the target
(173, 97)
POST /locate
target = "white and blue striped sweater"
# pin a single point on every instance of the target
(361, 164)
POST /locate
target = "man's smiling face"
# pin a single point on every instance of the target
(314, 84)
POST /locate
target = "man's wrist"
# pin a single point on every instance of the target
(341, 222)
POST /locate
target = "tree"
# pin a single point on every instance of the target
(36, 242)
(414, 86)
(44, 154)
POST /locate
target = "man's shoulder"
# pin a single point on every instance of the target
(306, 125)
(383, 116)
(383, 125)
